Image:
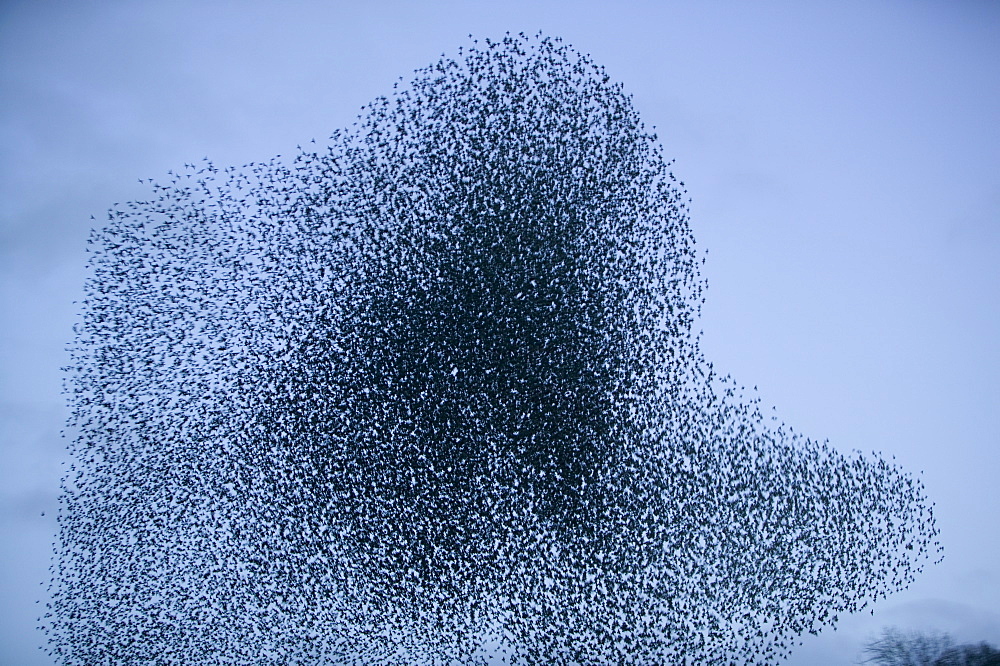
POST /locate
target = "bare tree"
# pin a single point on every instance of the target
(896, 647)
(982, 654)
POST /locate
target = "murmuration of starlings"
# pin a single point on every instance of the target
(433, 395)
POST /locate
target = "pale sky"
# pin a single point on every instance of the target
(843, 159)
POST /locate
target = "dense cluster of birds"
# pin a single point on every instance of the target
(434, 395)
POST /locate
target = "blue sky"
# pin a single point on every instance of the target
(843, 159)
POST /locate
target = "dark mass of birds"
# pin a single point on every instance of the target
(433, 395)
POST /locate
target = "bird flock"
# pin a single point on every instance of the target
(433, 395)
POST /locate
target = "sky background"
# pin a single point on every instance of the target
(843, 159)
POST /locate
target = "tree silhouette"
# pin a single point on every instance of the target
(898, 648)
(434, 395)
